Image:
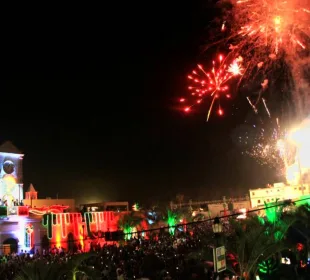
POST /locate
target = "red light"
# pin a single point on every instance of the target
(187, 109)
(198, 101)
(182, 99)
(228, 95)
(220, 112)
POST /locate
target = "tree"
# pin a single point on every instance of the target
(129, 223)
(254, 242)
(39, 271)
(75, 268)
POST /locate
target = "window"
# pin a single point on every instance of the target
(253, 193)
(268, 200)
(258, 201)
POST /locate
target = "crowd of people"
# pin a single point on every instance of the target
(166, 257)
(185, 255)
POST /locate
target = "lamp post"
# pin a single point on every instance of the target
(217, 228)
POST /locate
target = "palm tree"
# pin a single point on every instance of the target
(253, 242)
(302, 224)
(39, 270)
(74, 268)
(130, 222)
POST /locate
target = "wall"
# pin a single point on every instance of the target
(50, 202)
(218, 208)
(242, 204)
(15, 228)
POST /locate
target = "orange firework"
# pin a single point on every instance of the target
(266, 30)
(213, 83)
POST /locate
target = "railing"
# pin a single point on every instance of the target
(6, 211)
(221, 201)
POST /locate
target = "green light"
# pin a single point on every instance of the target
(273, 212)
(127, 231)
(305, 199)
(267, 267)
(172, 221)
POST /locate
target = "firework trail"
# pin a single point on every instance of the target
(266, 107)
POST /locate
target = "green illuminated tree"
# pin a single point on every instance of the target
(130, 221)
(172, 221)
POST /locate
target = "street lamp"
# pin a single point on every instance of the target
(217, 230)
(217, 226)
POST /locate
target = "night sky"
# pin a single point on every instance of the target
(90, 95)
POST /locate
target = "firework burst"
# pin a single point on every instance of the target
(263, 31)
(212, 83)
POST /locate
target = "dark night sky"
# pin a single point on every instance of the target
(90, 96)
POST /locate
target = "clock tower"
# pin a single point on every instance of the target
(11, 174)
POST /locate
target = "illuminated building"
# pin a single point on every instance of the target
(48, 222)
(11, 179)
(278, 191)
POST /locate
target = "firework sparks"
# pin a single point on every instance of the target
(264, 30)
(266, 143)
(212, 84)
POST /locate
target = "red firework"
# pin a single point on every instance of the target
(212, 84)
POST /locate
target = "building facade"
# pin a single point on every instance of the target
(38, 223)
(277, 192)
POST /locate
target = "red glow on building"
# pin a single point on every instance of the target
(61, 225)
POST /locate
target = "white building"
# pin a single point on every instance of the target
(278, 191)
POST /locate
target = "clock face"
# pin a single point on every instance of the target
(8, 167)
